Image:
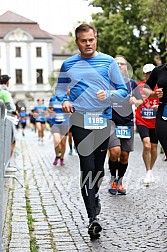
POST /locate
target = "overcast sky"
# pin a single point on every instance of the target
(54, 16)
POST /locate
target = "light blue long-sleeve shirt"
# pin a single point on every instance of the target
(85, 77)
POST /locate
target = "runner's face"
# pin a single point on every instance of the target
(40, 101)
(86, 42)
(122, 64)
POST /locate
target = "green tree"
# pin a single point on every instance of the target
(137, 29)
(52, 79)
(154, 16)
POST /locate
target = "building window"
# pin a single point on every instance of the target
(38, 51)
(18, 52)
(39, 73)
(19, 76)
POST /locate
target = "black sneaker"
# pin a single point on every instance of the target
(94, 237)
(94, 228)
(98, 205)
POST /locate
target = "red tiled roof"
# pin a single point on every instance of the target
(33, 29)
(11, 17)
(10, 21)
(60, 43)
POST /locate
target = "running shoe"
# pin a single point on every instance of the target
(75, 148)
(70, 152)
(94, 228)
(147, 179)
(121, 190)
(164, 158)
(62, 162)
(55, 161)
(97, 205)
(114, 188)
(152, 179)
(161, 150)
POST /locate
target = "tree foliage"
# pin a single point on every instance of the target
(136, 29)
(52, 79)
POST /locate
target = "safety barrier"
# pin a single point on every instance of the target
(6, 136)
(2, 167)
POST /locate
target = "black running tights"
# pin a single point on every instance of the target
(91, 147)
(161, 131)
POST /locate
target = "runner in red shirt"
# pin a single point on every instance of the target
(145, 122)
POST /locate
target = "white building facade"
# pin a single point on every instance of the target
(29, 55)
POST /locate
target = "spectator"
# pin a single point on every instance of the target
(9, 103)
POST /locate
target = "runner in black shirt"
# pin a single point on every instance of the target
(122, 139)
(159, 77)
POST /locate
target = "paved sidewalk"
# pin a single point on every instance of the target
(47, 214)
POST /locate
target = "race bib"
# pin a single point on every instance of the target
(59, 117)
(94, 120)
(123, 132)
(164, 116)
(148, 113)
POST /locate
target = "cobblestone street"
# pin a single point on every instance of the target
(48, 213)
